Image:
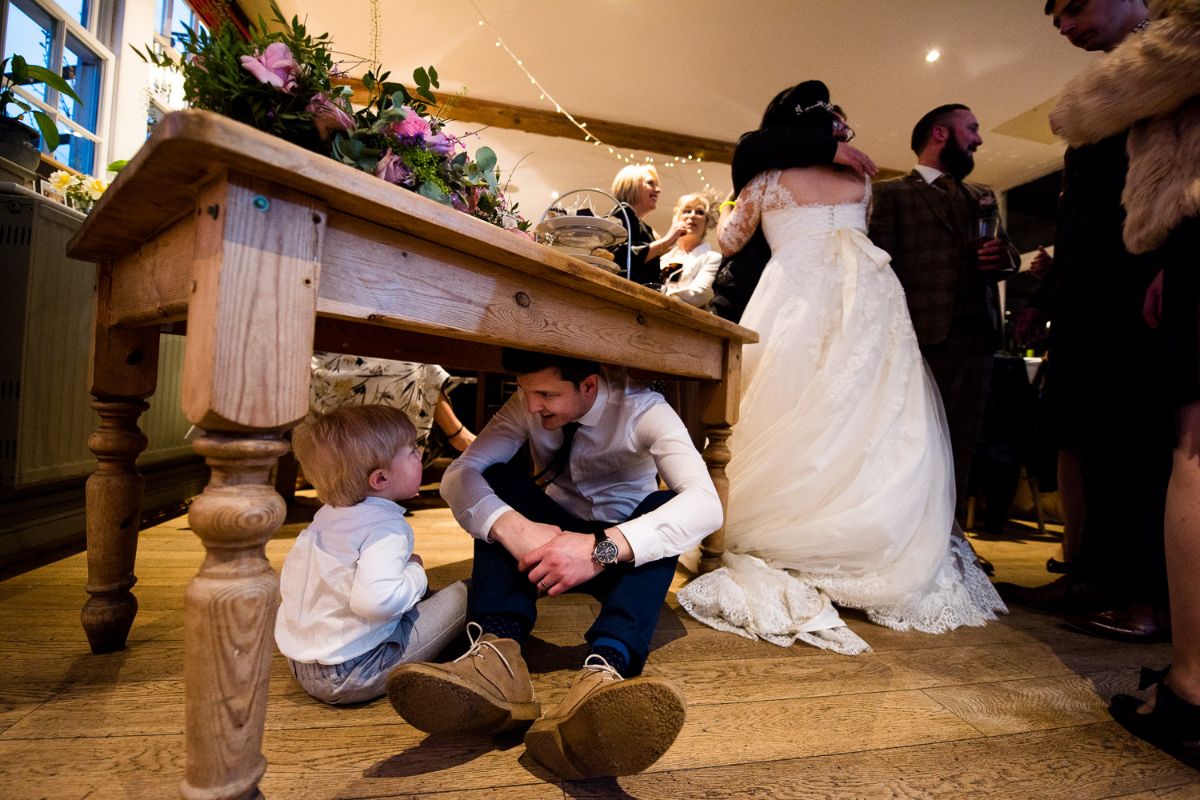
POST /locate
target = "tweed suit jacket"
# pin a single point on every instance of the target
(933, 251)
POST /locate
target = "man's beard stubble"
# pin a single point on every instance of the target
(958, 160)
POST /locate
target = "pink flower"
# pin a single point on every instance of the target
(413, 126)
(274, 66)
(393, 169)
(328, 116)
(441, 143)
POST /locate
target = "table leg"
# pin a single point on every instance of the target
(229, 617)
(114, 509)
(716, 456)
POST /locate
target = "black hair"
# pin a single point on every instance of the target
(525, 362)
(925, 125)
(784, 109)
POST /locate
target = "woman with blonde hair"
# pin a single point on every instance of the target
(636, 189)
(689, 267)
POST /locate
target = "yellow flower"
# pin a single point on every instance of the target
(62, 180)
(95, 187)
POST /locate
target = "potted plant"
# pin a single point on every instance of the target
(18, 142)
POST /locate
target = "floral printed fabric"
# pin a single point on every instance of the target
(338, 380)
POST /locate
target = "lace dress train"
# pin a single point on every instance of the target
(841, 478)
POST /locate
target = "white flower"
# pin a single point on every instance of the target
(62, 181)
(95, 187)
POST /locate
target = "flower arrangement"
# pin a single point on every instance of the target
(286, 83)
(81, 191)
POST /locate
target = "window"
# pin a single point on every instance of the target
(60, 35)
(166, 86)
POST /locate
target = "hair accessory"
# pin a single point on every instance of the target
(821, 104)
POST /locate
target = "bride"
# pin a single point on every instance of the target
(841, 481)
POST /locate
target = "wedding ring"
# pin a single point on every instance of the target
(543, 586)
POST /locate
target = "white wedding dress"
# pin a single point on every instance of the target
(841, 478)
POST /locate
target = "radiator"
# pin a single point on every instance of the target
(46, 313)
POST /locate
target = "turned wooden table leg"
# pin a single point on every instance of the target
(114, 506)
(719, 410)
(716, 456)
(230, 617)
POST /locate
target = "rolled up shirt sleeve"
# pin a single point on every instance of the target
(476, 507)
(695, 510)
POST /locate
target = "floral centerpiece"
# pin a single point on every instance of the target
(286, 82)
(80, 191)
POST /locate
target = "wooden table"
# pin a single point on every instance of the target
(263, 251)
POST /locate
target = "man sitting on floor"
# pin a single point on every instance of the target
(592, 519)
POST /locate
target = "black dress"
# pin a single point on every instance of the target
(645, 269)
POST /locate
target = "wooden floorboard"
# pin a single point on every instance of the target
(1015, 709)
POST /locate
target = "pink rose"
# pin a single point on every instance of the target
(328, 116)
(413, 126)
(393, 169)
(274, 66)
(441, 143)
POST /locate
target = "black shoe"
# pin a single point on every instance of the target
(1062, 596)
(1138, 623)
(1174, 724)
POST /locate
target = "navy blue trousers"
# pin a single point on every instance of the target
(630, 597)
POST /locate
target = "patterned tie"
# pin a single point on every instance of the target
(947, 184)
(559, 462)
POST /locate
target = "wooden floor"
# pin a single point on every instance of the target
(1016, 709)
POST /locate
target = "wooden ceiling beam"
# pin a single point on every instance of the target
(549, 123)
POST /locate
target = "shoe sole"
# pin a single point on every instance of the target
(620, 729)
(434, 702)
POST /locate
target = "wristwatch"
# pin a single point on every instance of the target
(605, 552)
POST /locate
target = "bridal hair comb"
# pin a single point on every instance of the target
(821, 104)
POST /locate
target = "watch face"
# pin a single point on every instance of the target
(605, 552)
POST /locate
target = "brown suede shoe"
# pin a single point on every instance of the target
(607, 726)
(485, 690)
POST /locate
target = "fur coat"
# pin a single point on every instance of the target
(1150, 83)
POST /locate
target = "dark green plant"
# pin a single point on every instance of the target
(22, 73)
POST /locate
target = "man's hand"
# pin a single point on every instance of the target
(1030, 326)
(1152, 304)
(562, 563)
(855, 159)
(1042, 263)
(993, 255)
(519, 534)
(416, 559)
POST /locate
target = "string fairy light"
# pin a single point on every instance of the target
(543, 94)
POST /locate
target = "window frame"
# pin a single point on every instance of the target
(100, 17)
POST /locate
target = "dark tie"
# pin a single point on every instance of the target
(559, 462)
(947, 184)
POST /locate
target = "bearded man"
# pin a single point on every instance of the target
(928, 220)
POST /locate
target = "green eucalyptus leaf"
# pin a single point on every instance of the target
(433, 192)
(485, 157)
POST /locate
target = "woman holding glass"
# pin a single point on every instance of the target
(689, 267)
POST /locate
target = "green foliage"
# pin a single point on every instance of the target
(22, 73)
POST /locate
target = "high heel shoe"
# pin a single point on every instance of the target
(1173, 725)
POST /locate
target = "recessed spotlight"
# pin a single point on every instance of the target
(554, 195)
(933, 55)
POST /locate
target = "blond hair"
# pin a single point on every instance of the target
(627, 182)
(703, 201)
(339, 450)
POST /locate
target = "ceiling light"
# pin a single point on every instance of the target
(933, 55)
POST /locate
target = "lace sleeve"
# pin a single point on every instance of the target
(736, 229)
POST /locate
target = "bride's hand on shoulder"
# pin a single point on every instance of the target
(855, 159)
